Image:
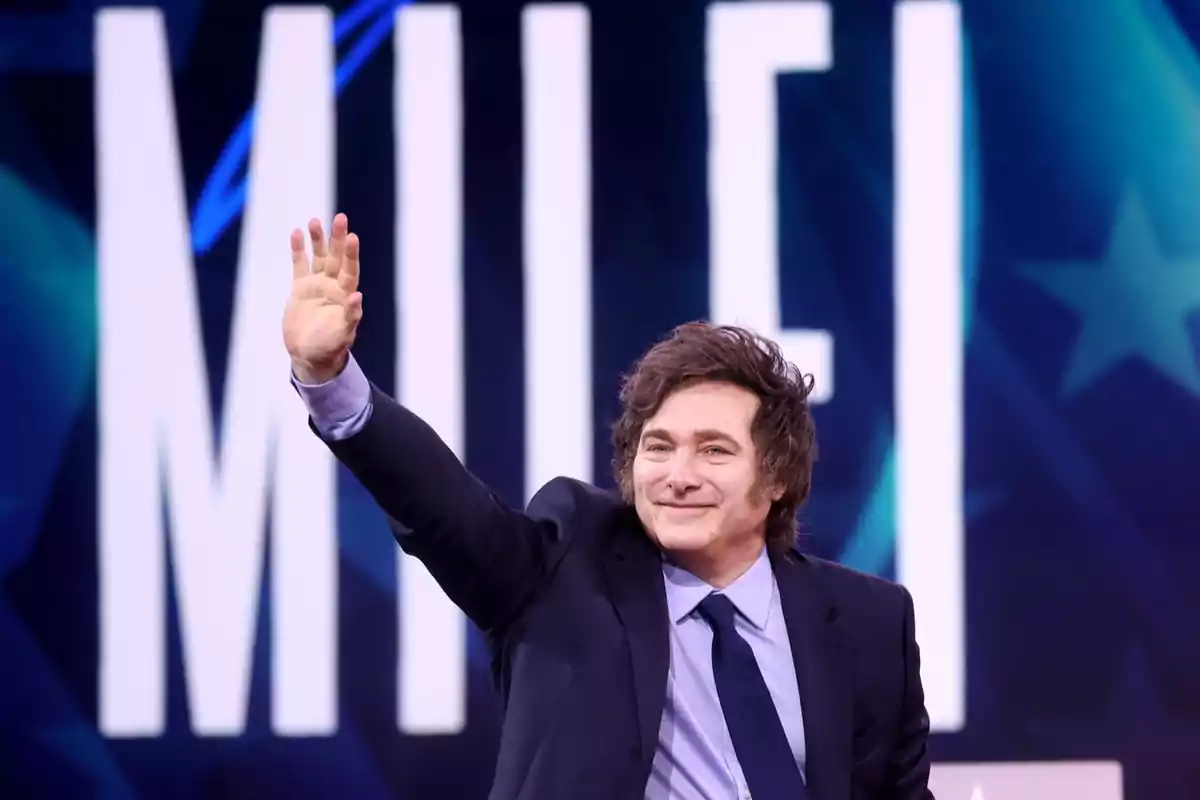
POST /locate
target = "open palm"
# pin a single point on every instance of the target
(324, 309)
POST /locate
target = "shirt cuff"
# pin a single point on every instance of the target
(341, 406)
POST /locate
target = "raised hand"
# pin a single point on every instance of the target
(323, 311)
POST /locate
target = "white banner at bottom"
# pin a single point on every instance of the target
(1039, 780)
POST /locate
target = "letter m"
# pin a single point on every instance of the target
(172, 490)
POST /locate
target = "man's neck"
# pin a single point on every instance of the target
(720, 567)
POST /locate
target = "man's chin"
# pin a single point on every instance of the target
(682, 540)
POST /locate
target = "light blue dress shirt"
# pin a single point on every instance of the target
(695, 759)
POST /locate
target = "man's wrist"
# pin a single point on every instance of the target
(311, 374)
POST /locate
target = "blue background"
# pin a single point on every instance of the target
(1082, 159)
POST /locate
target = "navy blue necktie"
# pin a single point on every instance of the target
(758, 739)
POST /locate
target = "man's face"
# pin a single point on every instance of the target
(695, 474)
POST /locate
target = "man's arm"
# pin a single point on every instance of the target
(488, 558)
(908, 768)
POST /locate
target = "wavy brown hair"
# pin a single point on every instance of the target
(783, 431)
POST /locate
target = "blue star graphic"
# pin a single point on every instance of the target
(1132, 303)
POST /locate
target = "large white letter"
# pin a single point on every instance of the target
(429, 301)
(748, 45)
(558, 211)
(155, 420)
(929, 336)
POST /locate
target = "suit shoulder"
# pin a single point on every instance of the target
(564, 499)
(872, 609)
(846, 583)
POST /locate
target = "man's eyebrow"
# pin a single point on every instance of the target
(708, 434)
(704, 434)
(657, 433)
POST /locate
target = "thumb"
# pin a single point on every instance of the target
(354, 310)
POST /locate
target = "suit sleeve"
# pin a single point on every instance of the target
(908, 768)
(487, 557)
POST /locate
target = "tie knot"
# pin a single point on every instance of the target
(719, 611)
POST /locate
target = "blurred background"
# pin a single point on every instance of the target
(976, 224)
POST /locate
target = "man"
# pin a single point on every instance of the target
(668, 642)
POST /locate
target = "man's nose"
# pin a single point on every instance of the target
(682, 477)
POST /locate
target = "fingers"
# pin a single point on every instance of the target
(337, 258)
(332, 263)
(299, 256)
(318, 241)
(337, 239)
(354, 310)
(349, 275)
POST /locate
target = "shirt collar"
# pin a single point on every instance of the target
(750, 594)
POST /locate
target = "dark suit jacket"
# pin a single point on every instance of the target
(571, 597)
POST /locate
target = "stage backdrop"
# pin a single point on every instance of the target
(977, 226)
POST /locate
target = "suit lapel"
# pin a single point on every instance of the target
(634, 572)
(822, 673)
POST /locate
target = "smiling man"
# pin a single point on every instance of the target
(669, 641)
